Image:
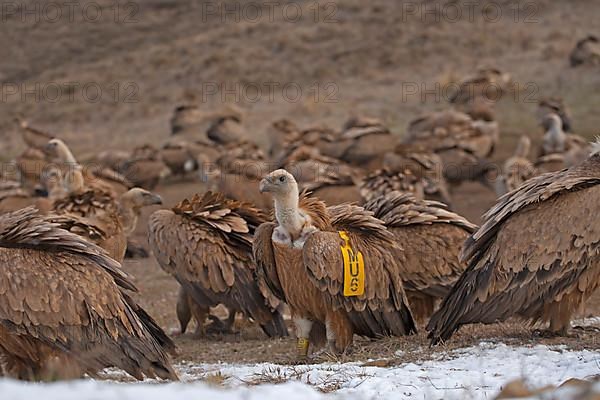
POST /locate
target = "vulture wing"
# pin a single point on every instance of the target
(536, 246)
(206, 245)
(64, 295)
(383, 308)
(431, 237)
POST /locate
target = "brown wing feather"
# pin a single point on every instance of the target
(72, 301)
(536, 246)
(206, 245)
(431, 237)
(266, 269)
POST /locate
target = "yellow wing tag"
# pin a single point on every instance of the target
(354, 268)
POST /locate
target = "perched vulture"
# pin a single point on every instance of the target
(461, 143)
(489, 83)
(536, 256)
(517, 169)
(328, 179)
(426, 166)
(431, 238)
(64, 310)
(103, 219)
(279, 134)
(13, 196)
(586, 52)
(227, 129)
(554, 105)
(145, 168)
(34, 138)
(574, 147)
(237, 170)
(299, 261)
(179, 157)
(206, 244)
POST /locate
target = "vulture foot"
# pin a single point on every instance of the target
(218, 326)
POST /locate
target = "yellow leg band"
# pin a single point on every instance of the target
(302, 347)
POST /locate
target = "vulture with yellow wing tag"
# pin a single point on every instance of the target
(431, 238)
(206, 244)
(536, 256)
(64, 311)
(300, 259)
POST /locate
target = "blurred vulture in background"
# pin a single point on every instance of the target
(586, 52)
(300, 262)
(431, 238)
(535, 256)
(517, 169)
(462, 143)
(328, 179)
(65, 312)
(574, 148)
(206, 244)
(554, 105)
(487, 83)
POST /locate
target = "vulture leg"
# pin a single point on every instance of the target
(220, 326)
(303, 328)
(422, 307)
(188, 308)
(339, 332)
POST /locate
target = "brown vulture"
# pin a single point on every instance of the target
(64, 311)
(516, 169)
(536, 256)
(206, 244)
(431, 238)
(300, 261)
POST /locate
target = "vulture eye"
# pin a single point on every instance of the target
(282, 179)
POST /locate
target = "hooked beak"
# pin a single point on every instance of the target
(264, 186)
(156, 199)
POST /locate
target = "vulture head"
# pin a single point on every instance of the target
(280, 183)
(137, 198)
(57, 148)
(130, 205)
(523, 147)
(552, 122)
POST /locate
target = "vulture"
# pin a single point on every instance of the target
(517, 169)
(179, 157)
(328, 179)
(536, 256)
(13, 196)
(144, 168)
(488, 83)
(238, 168)
(383, 181)
(462, 143)
(586, 52)
(554, 105)
(65, 311)
(205, 243)
(299, 261)
(104, 219)
(574, 148)
(431, 238)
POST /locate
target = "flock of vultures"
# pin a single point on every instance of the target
(349, 231)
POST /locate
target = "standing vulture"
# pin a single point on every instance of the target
(206, 244)
(537, 255)
(431, 238)
(300, 261)
(64, 310)
(516, 169)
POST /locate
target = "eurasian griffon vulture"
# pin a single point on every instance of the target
(516, 169)
(300, 261)
(536, 256)
(64, 311)
(206, 244)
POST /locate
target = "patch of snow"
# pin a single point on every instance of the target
(477, 372)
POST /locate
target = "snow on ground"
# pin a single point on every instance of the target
(470, 373)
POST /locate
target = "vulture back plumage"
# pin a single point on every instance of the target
(537, 255)
(206, 244)
(431, 237)
(65, 305)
